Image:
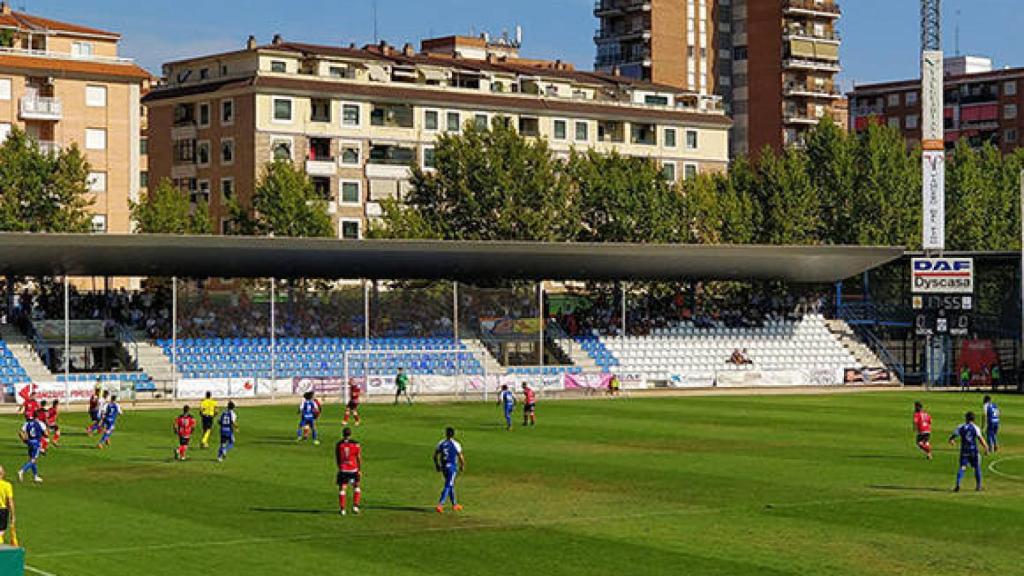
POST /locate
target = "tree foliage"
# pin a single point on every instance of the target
(167, 210)
(284, 203)
(42, 191)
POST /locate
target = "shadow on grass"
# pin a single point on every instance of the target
(332, 511)
(898, 488)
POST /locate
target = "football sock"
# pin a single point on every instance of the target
(451, 495)
(357, 496)
(206, 437)
(977, 476)
(959, 476)
(444, 494)
(105, 437)
(341, 499)
(316, 435)
(299, 434)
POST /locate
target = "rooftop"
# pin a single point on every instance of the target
(12, 19)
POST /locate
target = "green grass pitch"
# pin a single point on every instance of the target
(732, 485)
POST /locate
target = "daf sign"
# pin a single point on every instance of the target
(942, 276)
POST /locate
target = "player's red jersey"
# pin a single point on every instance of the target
(184, 425)
(318, 408)
(51, 416)
(354, 392)
(923, 422)
(94, 403)
(530, 396)
(31, 407)
(348, 455)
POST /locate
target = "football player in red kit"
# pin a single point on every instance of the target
(349, 457)
(184, 425)
(352, 408)
(923, 427)
(51, 422)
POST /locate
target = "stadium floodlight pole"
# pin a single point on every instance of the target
(455, 331)
(366, 322)
(623, 286)
(174, 336)
(67, 340)
(540, 316)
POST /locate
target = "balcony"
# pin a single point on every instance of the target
(799, 118)
(610, 7)
(41, 108)
(798, 33)
(635, 56)
(804, 64)
(48, 146)
(321, 167)
(802, 90)
(817, 8)
(622, 34)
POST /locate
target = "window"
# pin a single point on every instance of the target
(1011, 136)
(351, 192)
(430, 120)
(349, 229)
(279, 66)
(281, 149)
(81, 49)
(1010, 111)
(204, 115)
(392, 116)
(96, 96)
(643, 134)
(282, 109)
(894, 100)
(689, 171)
(454, 122)
(5, 131)
(582, 132)
(227, 151)
(529, 126)
(144, 179)
(668, 171)
(5, 88)
(321, 188)
(227, 227)
(654, 100)
(227, 190)
(911, 98)
(202, 195)
(911, 121)
(894, 122)
(350, 154)
(203, 153)
(429, 157)
(95, 139)
(392, 155)
(1010, 88)
(560, 129)
(144, 146)
(99, 224)
(97, 182)
(340, 72)
(692, 141)
(320, 110)
(227, 112)
(350, 115)
(480, 120)
(670, 137)
(184, 151)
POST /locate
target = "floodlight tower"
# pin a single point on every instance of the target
(933, 138)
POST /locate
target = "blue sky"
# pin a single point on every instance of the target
(880, 36)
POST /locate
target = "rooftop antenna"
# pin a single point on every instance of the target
(375, 36)
(957, 36)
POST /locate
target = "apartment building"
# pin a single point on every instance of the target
(774, 62)
(982, 105)
(357, 119)
(664, 41)
(65, 84)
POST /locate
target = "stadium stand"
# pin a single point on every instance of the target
(11, 371)
(319, 357)
(684, 348)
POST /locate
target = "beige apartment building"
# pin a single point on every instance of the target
(65, 84)
(357, 119)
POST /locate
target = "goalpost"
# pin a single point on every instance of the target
(415, 363)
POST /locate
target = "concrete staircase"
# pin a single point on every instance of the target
(848, 338)
(489, 362)
(26, 355)
(578, 355)
(152, 360)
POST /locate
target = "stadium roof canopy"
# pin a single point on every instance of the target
(260, 257)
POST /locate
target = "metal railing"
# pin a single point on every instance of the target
(41, 106)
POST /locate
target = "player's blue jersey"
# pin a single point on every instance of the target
(34, 431)
(968, 434)
(992, 413)
(449, 450)
(111, 413)
(508, 398)
(308, 410)
(227, 423)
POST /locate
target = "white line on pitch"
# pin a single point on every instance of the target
(38, 571)
(992, 468)
(477, 526)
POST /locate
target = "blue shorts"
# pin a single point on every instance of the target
(972, 459)
(449, 476)
(509, 408)
(307, 422)
(993, 428)
(33, 450)
(227, 438)
(109, 426)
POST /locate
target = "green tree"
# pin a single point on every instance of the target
(489, 184)
(887, 198)
(982, 189)
(40, 191)
(792, 209)
(283, 204)
(624, 199)
(832, 163)
(167, 210)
